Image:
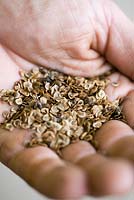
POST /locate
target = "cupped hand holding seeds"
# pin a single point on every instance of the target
(78, 38)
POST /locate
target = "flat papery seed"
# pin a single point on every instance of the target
(10, 92)
(88, 85)
(48, 136)
(97, 110)
(43, 100)
(49, 124)
(69, 132)
(90, 116)
(54, 89)
(79, 131)
(59, 109)
(88, 126)
(83, 135)
(41, 129)
(17, 95)
(53, 145)
(17, 123)
(17, 87)
(80, 102)
(115, 103)
(115, 84)
(9, 126)
(90, 100)
(57, 126)
(81, 114)
(63, 140)
(36, 141)
(2, 92)
(46, 117)
(47, 86)
(28, 85)
(5, 114)
(97, 124)
(22, 73)
(24, 92)
(57, 95)
(18, 101)
(35, 70)
(101, 94)
(30, 120)
(72, 95)
(45, 110)
(24, 126)
(33, 143)
(88, 137)
(67, 124)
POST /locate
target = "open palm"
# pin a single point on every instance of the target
(80, 38)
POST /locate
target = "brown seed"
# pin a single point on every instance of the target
(97, 124)
(9, 126)
(115, 84)
(101, 94)
(18, 101)
(43, 100)
(59, 109)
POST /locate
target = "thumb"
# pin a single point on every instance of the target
(120, 45)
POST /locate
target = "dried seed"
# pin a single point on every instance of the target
(43, 100)
(101, 94)
(115, 84)
(45, 110)
(9, 126)
(35, 70)
(41, 129)
(47, 86)
(46, 117)
(18, 101)
(97, 124)
(5, 114)
(28, 85)
(81, 114)
(59, 109)
(97, 110)
(17, 123)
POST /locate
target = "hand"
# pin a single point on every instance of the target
(82, 170)
(91, 172)
(76, 37)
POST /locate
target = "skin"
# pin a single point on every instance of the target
(79, 38)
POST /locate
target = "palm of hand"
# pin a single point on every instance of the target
(82, 170)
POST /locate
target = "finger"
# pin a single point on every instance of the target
(116, 139)
(128, 108)
(123, 148)
(41, 167)
(119, 49)
(105, 176)
(12, 143)
(110, 133)
(119, 86)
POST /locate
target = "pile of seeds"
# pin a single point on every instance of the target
(58, 108)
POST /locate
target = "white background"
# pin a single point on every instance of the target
(13, 188)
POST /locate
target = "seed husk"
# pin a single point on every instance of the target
(58, 108)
